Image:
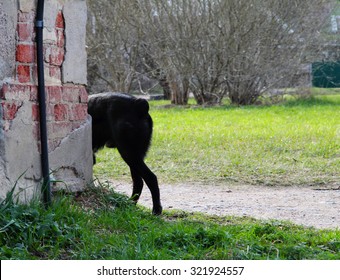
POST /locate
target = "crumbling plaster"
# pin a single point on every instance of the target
(8, 21)
(79, 144)
(71, 159)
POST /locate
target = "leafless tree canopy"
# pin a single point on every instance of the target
(211, 48)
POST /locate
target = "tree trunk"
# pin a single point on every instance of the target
(179, 96)
(166, 88)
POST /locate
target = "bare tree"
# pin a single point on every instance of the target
(112, 46)
(212, 48)
(239, 48)
(269, 50)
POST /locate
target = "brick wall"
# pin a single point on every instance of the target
(66, 108)
(67, 104)
(67, 119)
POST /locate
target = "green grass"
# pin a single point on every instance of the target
(100, 224)
(292, 143)
(296, 142)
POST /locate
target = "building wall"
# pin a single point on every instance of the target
(68, 124)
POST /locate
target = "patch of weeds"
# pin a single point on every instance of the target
(100, 224)
(99, 195)
(32, 232)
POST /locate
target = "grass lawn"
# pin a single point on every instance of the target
(293, 143)
(101, 224)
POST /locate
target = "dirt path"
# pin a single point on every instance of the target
(309, 206)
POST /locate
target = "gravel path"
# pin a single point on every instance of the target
(310, 206)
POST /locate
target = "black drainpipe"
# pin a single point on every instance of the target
(39, 25)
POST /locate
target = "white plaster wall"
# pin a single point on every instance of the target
(71, 161)
(20, 157)
(75, 64)
(8, 20)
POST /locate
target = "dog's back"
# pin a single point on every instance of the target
(120, 120)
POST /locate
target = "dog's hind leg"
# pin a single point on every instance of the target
(137, 185)
(139, 170)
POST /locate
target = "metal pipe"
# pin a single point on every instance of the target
(39, 25)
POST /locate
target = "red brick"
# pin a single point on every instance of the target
(71, 94)
(24, 73)
(60, 112)
(54, 94)
(7, 91)
(54, 72)
(60, 38)
(78, 112)
(59, 23)
(9, 110)
(25, 53)
(16, 92)
(35, 112)
(50, 113)
(55, 55)
(33, 93)
(36, 132)
(83, 95)
(25, 31)
(4, 90)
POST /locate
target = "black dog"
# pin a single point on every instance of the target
(122, 121)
